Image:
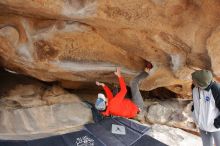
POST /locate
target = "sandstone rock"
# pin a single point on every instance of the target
(35, 94)
(26, 90)
(54, 91)
(16, 102)
(41, 121)
(64, 98)
(158, 113)
(173, 136)
(213, 50)
(84, 40)
(172, 113)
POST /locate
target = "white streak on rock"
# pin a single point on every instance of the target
(74, 66)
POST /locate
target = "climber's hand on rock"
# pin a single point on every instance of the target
(99, 84)
(118, 72)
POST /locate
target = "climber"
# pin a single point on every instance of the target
(206, 106)
(118, 105)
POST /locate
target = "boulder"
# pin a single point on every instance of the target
(84, 40)
(42, 121)
(173, 136)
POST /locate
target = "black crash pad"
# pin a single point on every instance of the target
(132, 125)
(49, 141)
(146, 140)
(80, 138)
(105, 128)
(13, 143)
(134, 133)
(96, 134)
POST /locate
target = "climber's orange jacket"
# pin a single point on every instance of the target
(119, 105)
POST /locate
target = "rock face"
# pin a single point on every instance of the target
(172, 113)
(43, 120)
(30, 111)
(173, 136)
(84, 40)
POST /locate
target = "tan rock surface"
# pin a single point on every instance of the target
(43, 120)
(173, 113)
(30, 111)
(84, 40)
(173, 136)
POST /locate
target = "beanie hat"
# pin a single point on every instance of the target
(100, 103)
(202, 77)
(149, 65)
